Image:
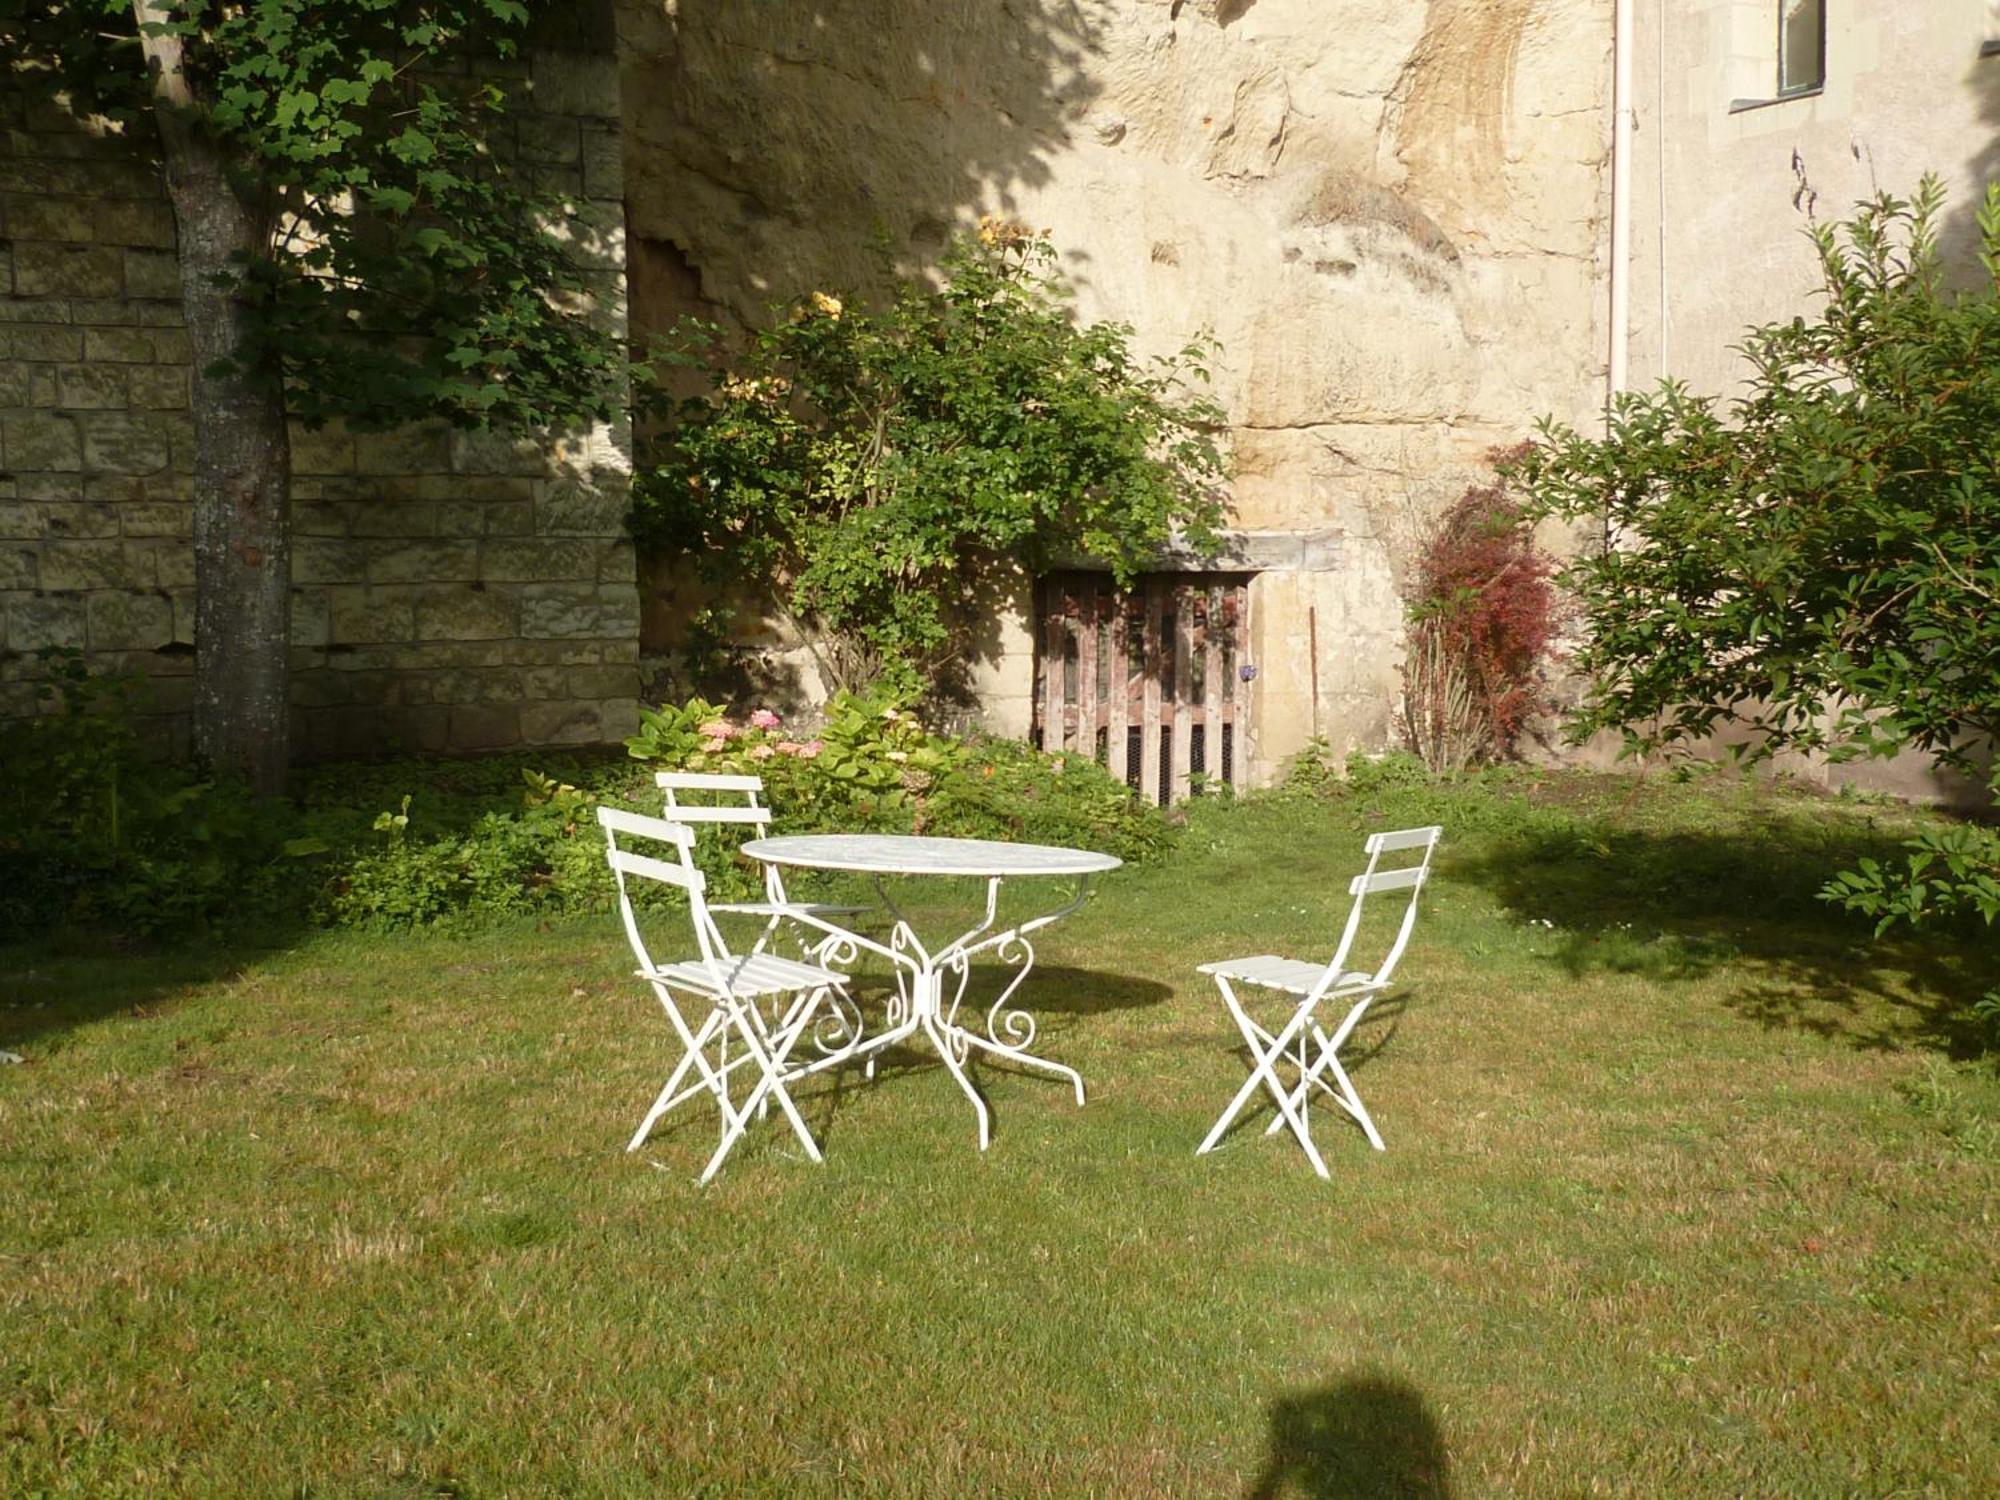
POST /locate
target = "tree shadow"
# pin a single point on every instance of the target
(1958, 240)
(1679, 906)
(1369, 1436)
(62, 983)
(771, 151)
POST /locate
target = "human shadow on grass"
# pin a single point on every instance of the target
(1680, 906)
(1368, 1436)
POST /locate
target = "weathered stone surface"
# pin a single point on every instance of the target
(562, 723)
(398, 639)
(42, 440)
(554, 611)
(422, 562)
(38, 620)
(465, 614)
(1387, 213)
(125, 443)
(53, 270)
(125, 621)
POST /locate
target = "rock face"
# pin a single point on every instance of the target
(1390, 214)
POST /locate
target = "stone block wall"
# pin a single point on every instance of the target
(452, 591)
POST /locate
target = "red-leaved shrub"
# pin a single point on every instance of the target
(1483, 615)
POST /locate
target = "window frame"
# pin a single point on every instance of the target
(1818, 83)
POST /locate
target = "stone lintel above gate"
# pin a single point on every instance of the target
(1244, 552)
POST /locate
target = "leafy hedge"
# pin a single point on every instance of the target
(94, 838)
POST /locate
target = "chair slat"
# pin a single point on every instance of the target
(641, 826)
(629, 863)
(1386, 880)
(1402, 838)
(685, 813)
(703, 781)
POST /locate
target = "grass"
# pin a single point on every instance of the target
(1688, 1192)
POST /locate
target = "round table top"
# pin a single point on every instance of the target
(919, 854)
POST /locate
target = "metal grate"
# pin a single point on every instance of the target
(1145, 679)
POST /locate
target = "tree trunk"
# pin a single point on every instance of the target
(242, 452)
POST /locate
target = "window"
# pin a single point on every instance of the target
(1801, 46)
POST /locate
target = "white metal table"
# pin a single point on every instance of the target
(931, 982)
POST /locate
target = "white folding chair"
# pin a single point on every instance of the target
(1302, 1043)
(728, 987)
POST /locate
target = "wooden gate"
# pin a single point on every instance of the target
(1146, 681)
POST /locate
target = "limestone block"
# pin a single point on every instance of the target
(158, 387)
(618, 718)
(365, 615)
(125, 443)
(617, 562)
(133, 221)
(55, 270)
(421, 448)
(320, 559)
(562, 724)
(422, 561)
(155, 518)
(464, 614)
(41, 440)
(20, 519)
(47, 341)
(97, 565)
(403, 518)
(152, 273)
(548, 141)
(328, 449)
(171, 346)
(562, 611)
(80, 520)
(496, 453)
(318, 518)
(574, 83)
(90, 387)
(55, 489)
(483, 726)
(38, 620)
(611, 681)
(575, 508)
(312, 617)
(172, 561)
(36, 217)
(541, 560)
(124, 621)
(15, 384)
(129, 346)
(17, 568)
(603, 153)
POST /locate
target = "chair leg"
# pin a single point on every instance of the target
(771, 1064)
(1344, 1094)
(1264, 1072)
(693, 1057)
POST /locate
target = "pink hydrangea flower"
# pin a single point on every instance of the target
(789, 747)
(810, 750)
(763, 718)
(720, 729)
(761, 752)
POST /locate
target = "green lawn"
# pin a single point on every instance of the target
(1686, 1194)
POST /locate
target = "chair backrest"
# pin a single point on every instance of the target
(1412, 843)
(748, 810)
(750, 789)
(679, 872)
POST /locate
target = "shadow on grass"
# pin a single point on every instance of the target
(1367, 1437)
(54, 986)
(1055, 990)
(1681, 905)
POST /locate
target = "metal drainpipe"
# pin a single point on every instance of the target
(1621, 195)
